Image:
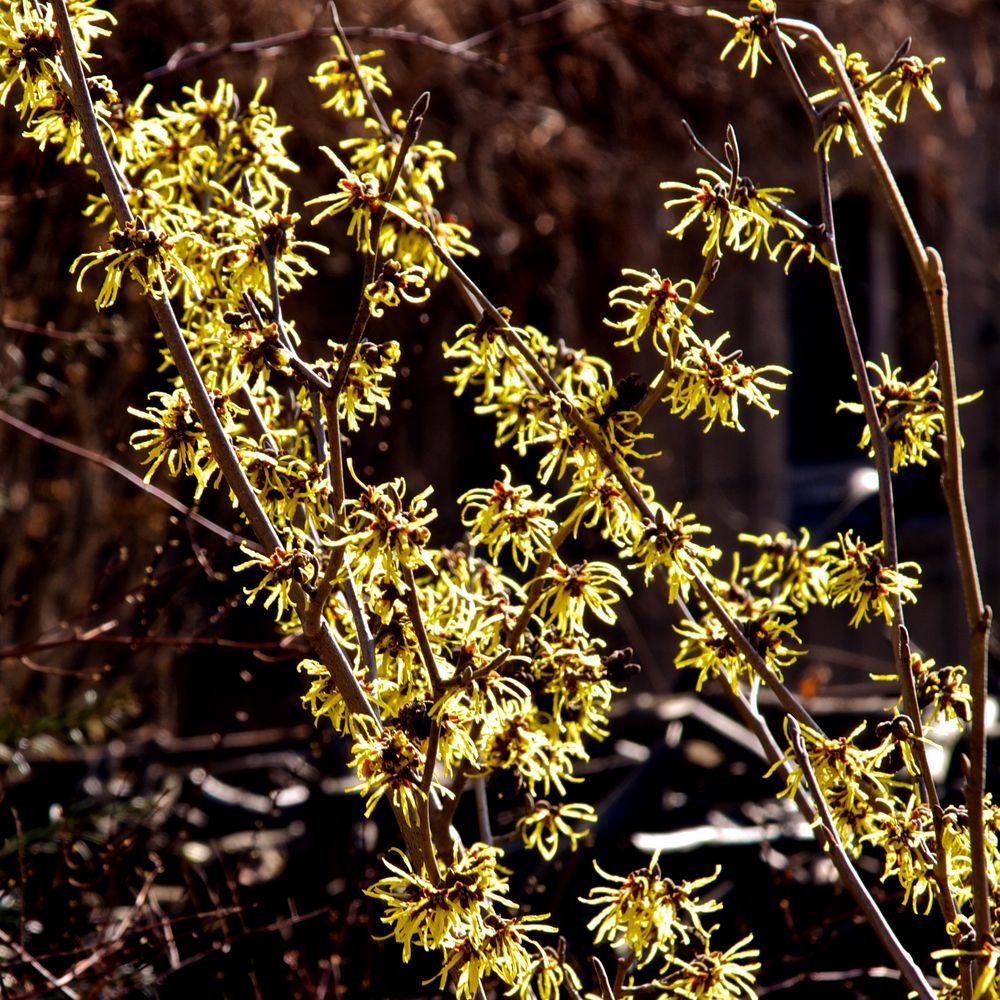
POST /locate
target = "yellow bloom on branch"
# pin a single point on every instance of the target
(703, 378)
(860, 577)
(751, 33)
(669, 541)
(910, 413)
(548, 821)
(648, 912)
(569, 591)
(509, 515)
(338, 76)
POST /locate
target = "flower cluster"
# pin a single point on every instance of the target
(457, 915)
(406, 219)
(910, 413)
(508, 515)
(860, 576)
(338, 75)
(790, 570)
(30, 48)
(854, 781)
(654, 917)
(740, 216)
(874, 90)
(884, 95)
(656, 305)
(751, 32)
(705, 379)
(383, 536)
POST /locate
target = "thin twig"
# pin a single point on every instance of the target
(358, 75)
(61, 983)
(483, 810)
(603, 983)
(372, 259)
(904, 961)
(131, 477)
(412, 598)
(928, 266)
(198, 53)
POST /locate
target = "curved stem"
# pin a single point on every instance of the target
(880, 444)
(904, 961)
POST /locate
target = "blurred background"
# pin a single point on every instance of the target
(170, 817)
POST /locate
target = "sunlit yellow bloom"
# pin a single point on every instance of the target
(509, 515)
(284, 568)
(387, 761)
(910, 413)
(852, 779)
(174, 437)
(906, 835)
(152, 258)
(912, 73)
(648, 912)
(751, 32)
(860, 576)
(503, 950)
(707, 647)
(652, 304)
(719, 975)
(366, 391)
(382, 534)
(436, 915)
(943, 689)
(669, 541)
(703, 378)
(397, 284)
(543, 826)
(337, 75)
(544, 978)
(360, 195)
(569, 591)
(790, 570)
(739, 215)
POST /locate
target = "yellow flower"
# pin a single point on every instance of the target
(751, 32)
(283, 569)
(736, 213)
(568, 591)
(647, 911)
(860, 577)
(175, 436)
(669, 541)
(397, 284)
(910, 413)
(544, 825)
(148, 256)
(382, 535)
(434, 915)
(702, 377)
(790, 570)
(652, 303)
(387, 761)
(912, 73)
(361, 195)
(719, 975)
(337, 75)
(852, 779)
(509, 514)
(708, 647)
